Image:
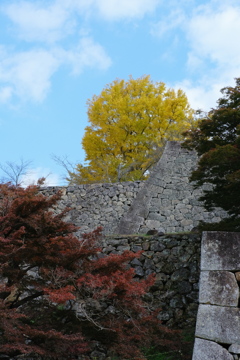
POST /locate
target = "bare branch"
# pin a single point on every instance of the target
(14, 171)
(67, 165)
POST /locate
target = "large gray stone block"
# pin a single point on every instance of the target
(218, 288)
(217, 323)
(220, 251)
(208, 350)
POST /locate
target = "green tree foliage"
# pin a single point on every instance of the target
(58, 297)
(217, 140)
(130, 121)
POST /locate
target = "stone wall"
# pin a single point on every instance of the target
(175, 260)
(166, 201)
(94, 205)
(218, 319)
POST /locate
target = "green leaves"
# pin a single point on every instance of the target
(217, 139)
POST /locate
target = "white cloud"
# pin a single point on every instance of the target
(55, 20)
(205, 91)
(115, 9)
(88, 54)
(33, 175)
(201, 94)
(5, 93)
(175, 19)
(28, 74)
(36, 21)
(212, 34)
(112, 9)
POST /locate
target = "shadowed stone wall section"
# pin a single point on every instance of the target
(218, 320)
(175, 259)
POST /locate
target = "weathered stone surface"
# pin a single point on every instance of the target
(220, 324)
(220, 251)
(95, 205)
(139, 271)
(166, 201)
(180, 274)
(98, 355)
(234, 348)
(184, 287)
(209, 350)
(218, 288)
(175, 290)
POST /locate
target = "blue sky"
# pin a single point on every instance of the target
(55, 54)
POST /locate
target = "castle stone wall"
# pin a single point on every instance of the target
(94, 205)
(166, 201)
(175, 260)
(218, 319)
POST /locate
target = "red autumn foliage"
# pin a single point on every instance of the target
(58, 296)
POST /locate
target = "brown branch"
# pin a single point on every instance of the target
(26, 299)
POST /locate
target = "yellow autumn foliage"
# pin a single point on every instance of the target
(130, 121)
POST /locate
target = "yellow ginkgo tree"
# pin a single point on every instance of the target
(130, 121)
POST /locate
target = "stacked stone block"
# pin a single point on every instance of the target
(168, 201)
(94, 205)
(218, 319)
(175, 259)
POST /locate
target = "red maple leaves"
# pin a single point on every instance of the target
(58, 296)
